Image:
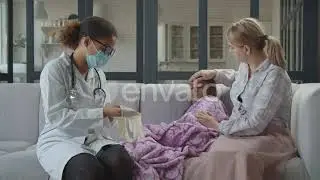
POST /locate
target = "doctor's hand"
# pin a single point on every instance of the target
(111, 111)
(202, 75)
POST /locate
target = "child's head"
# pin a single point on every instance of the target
(208, 89)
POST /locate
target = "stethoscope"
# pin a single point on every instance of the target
(98, 93)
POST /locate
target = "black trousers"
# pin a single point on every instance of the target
(112, 162)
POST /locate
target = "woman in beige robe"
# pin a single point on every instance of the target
(255, 138)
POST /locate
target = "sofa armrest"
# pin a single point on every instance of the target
(19, 112)
(305, 124)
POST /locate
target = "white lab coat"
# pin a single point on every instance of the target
(66, 128)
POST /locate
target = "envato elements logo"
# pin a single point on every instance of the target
(157, 92)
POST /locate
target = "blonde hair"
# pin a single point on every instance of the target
(249, 31)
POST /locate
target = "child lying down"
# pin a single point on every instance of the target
(161, 153)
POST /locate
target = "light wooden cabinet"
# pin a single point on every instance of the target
(182, 42)
(177, 42)
(194, 42)
(215, 42)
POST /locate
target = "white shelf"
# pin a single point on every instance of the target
(50, 29)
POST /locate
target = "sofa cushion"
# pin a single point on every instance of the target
(21, 165)
(33, 147)
(12, 146)
(126, 94)
(164, 102)
(19, 115)
(2, 153)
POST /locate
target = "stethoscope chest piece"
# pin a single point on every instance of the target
(99, 95)
(72, 96)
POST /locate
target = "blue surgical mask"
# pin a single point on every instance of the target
(97, 60)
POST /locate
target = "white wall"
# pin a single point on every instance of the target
(122, 13)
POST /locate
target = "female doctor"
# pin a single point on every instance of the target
(75, 100)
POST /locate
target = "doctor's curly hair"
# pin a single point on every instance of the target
(95, 27)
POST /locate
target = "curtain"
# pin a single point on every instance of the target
(3, 32)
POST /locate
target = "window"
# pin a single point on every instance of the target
(49, 18)
(177, 36)
(3, 33)
(292, 39)
(301, 65)
(178, 40)
(122, 13)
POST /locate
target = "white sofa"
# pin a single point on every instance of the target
(21, 119)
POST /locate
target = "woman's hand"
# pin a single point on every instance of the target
(206, 119)
(202, 75)
(114, 111)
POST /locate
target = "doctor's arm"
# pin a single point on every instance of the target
(56, 107)
(265, 105)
